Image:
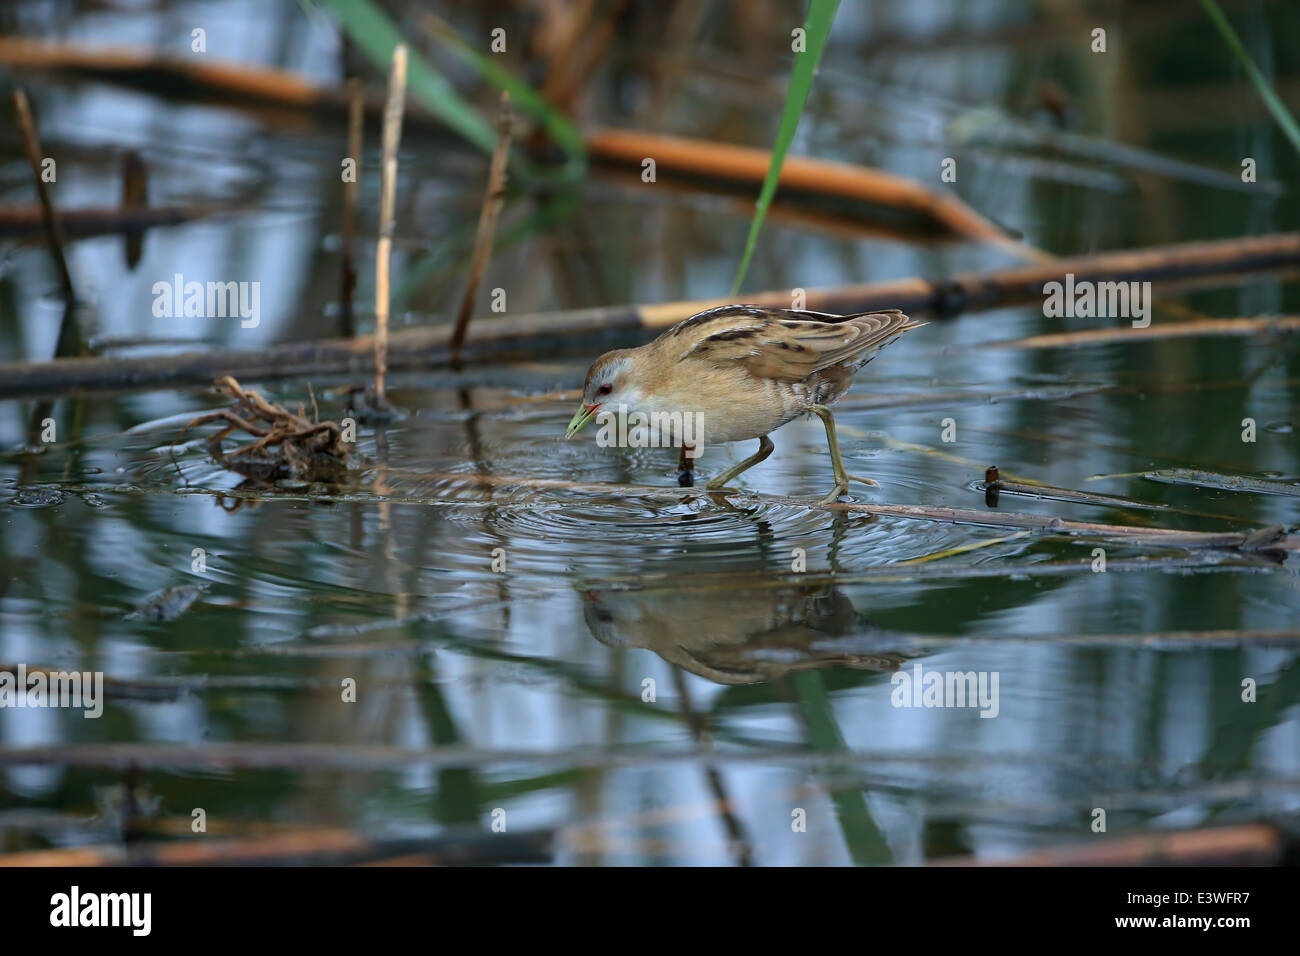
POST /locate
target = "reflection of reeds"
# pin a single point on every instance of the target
(737, 837)
(347, 270)
(862, 836)
(392, 137)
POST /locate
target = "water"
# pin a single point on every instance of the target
(648, 675)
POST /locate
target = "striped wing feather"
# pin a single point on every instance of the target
(788, 345)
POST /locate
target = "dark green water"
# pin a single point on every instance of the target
(524, 688)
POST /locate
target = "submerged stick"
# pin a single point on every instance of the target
(529, 335)
(494, 198)
(387, 203)
(53, 229)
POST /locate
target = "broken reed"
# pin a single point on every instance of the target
(528, 335)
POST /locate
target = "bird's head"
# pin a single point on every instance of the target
(610, 382)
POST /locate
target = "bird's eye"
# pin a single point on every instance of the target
(605, 389)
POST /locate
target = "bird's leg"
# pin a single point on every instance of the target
(765, 447)
(685, 464)
(842, 477)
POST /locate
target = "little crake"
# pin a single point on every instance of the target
(744, 370)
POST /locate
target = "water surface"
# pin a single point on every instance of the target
(647, 676)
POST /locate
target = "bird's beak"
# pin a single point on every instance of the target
(579, 421)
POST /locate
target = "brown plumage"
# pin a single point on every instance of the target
(743, 371)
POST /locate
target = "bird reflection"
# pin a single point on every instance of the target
(735, 636)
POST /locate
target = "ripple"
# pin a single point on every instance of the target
(633, 536)
(36, 496)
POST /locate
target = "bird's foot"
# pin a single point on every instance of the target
(685, 478)
(841, 488)
(719, 491)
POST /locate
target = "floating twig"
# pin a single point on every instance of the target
(1207, 479)
(288, 445)
(993, 484)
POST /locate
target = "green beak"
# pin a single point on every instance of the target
(579, 421)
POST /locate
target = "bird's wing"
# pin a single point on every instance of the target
(785, 344)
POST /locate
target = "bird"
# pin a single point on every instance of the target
(741, 636)
(743, 371)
